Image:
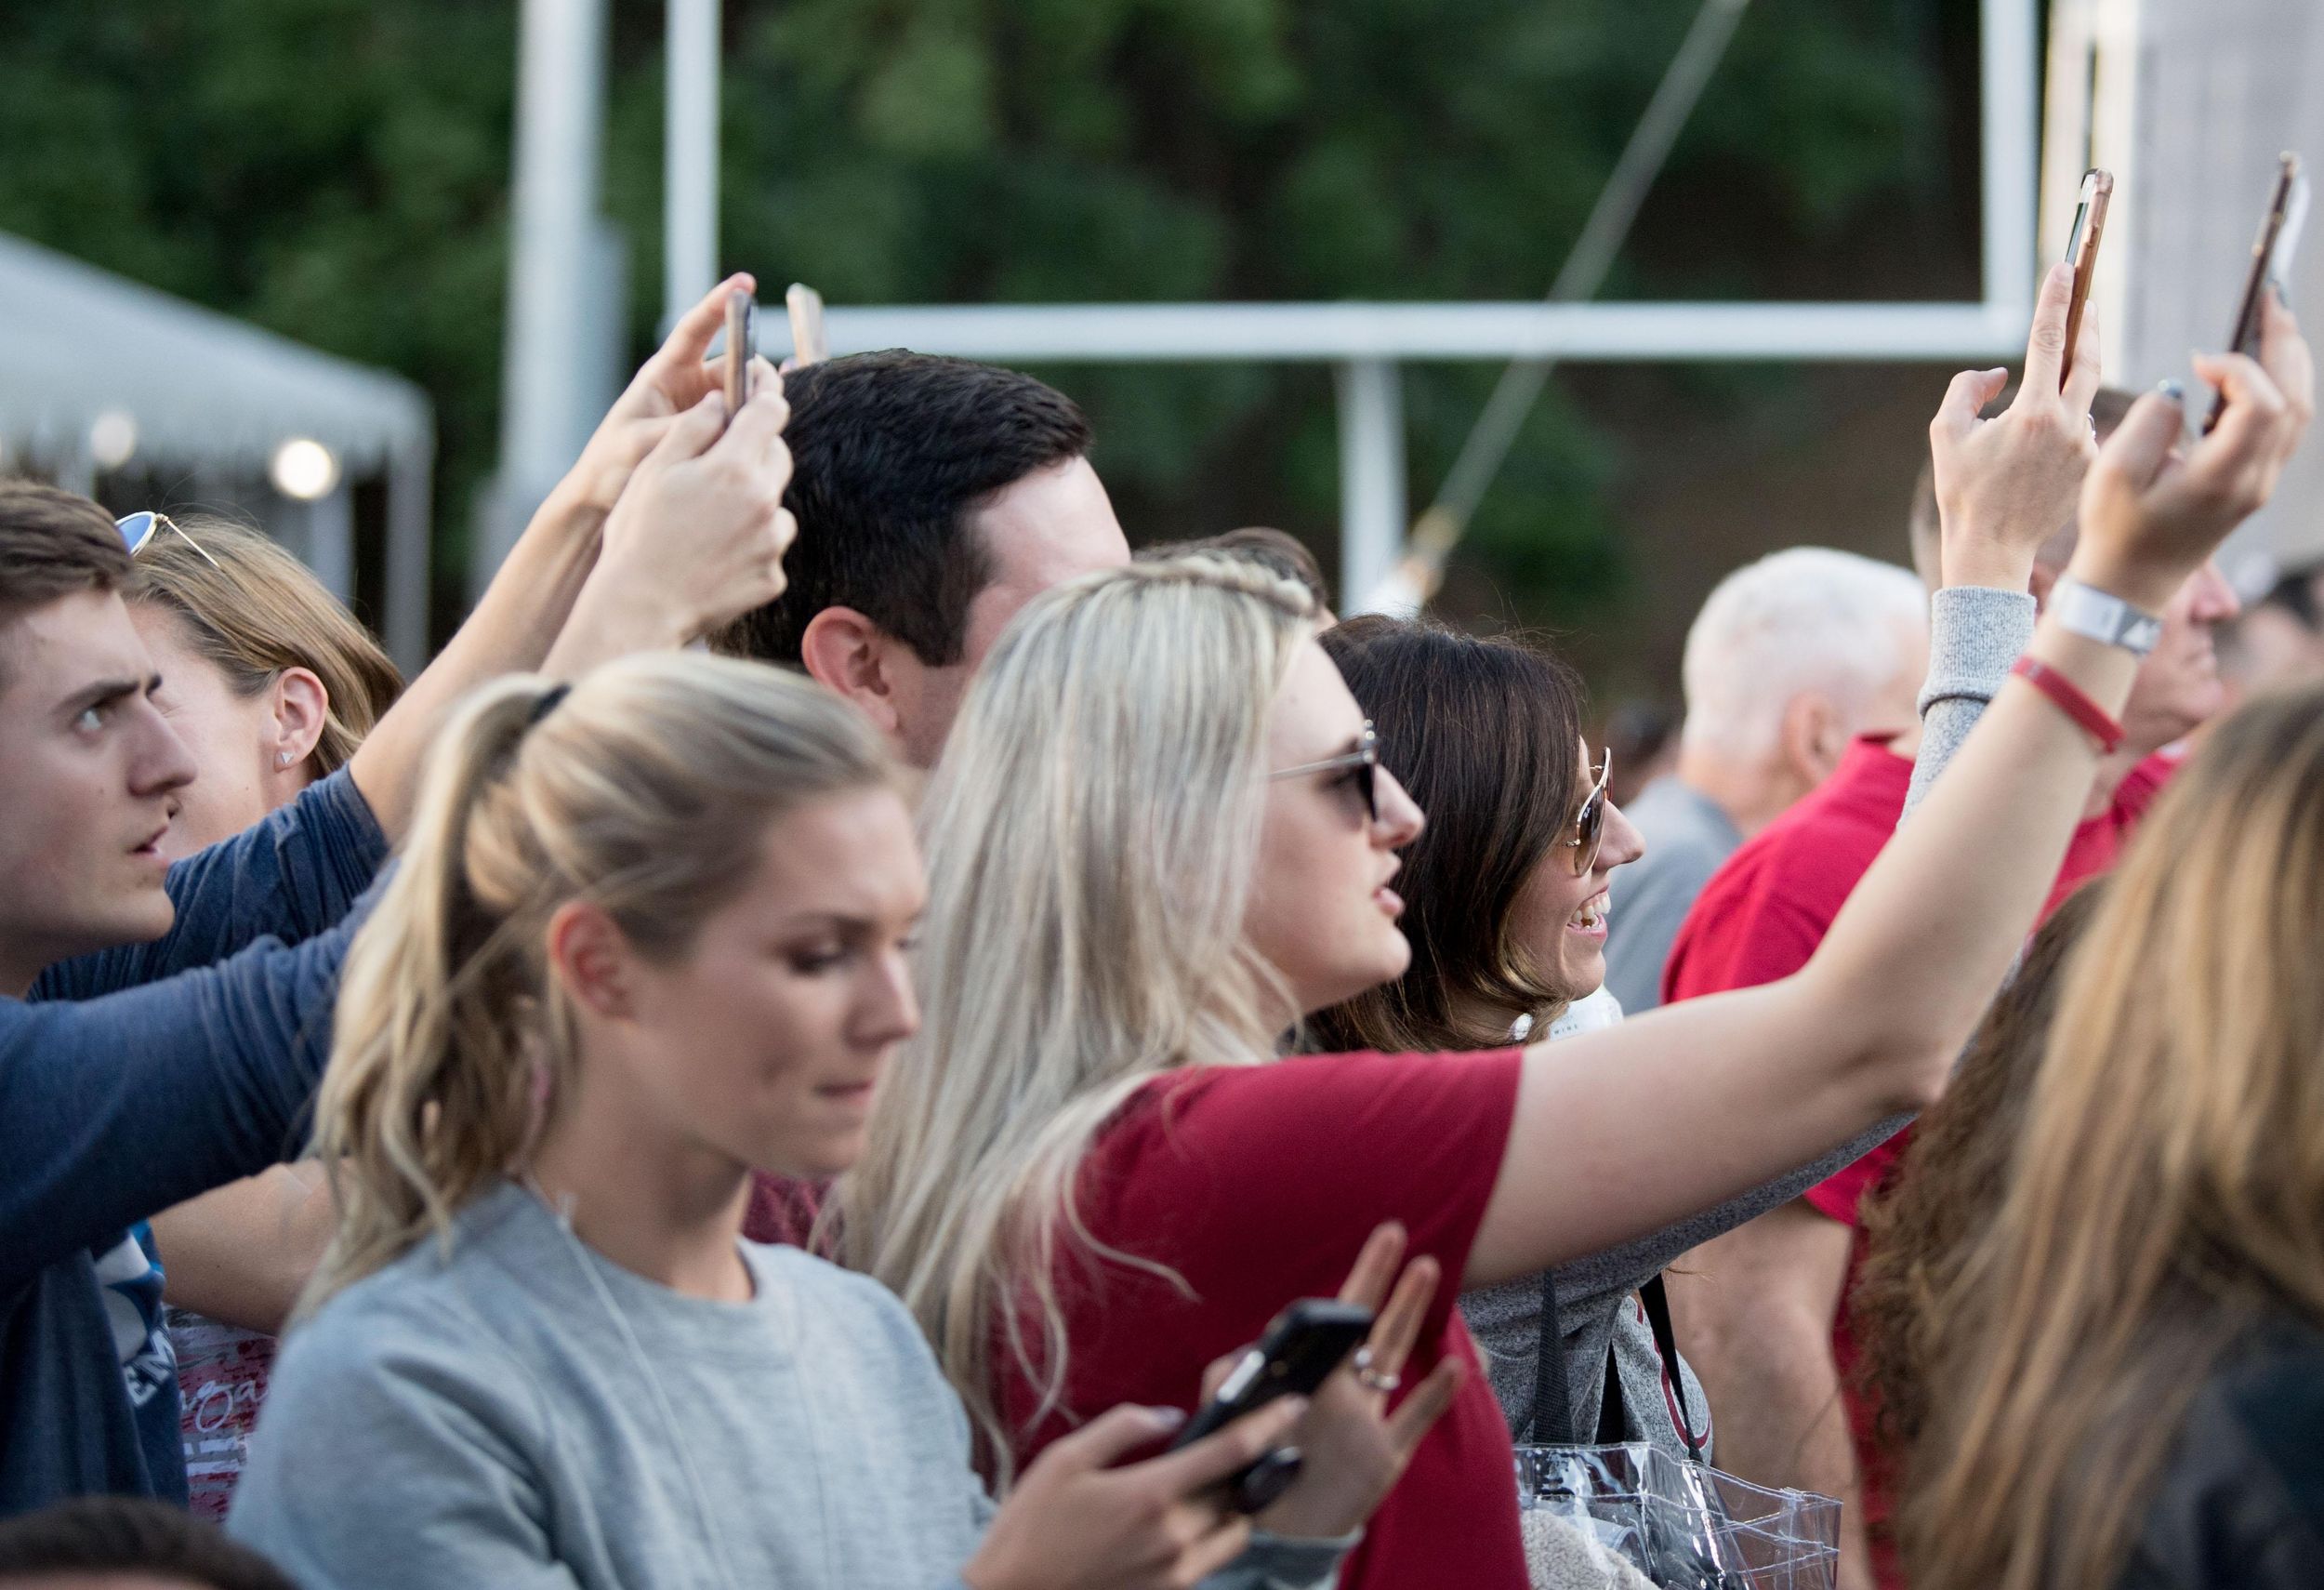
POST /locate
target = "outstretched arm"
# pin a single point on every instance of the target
(1620, 1132)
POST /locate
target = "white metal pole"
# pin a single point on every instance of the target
(1371, 473)
(2011, 88)
(331, 539)
(548, 387)
(690, 157)
(403, 614)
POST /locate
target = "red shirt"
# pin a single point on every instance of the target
(1258, 1185)
(1763, 915)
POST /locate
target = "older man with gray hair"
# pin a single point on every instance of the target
(1790, 658)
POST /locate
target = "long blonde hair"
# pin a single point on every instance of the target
(647, 791)
(2167, 1188)
(1092, 832)
(251, 610)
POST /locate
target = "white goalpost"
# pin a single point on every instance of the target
(1366, 343)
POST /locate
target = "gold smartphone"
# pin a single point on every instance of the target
(2082, 252)
(808, 346)
(742, 341)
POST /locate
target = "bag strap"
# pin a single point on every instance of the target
(1552, 1420)
(1657, 1303)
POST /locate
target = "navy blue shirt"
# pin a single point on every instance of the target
(132, 1080)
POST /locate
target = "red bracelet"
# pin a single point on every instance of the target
(2073, 702)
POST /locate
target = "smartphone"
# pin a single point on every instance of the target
(742, 341)
(2272, 251)
(808, 345)
(2272, 254)
(1302, 1346)
(2082, 252)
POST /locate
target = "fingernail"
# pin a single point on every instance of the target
(1169, 1418)
(2171, 391)
(2061, 272)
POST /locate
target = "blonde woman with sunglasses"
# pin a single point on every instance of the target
(1091, 1170)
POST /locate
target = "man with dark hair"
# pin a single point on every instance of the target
(118, 1542)
(934, 497)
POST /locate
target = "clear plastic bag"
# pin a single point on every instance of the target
(1641, 1513)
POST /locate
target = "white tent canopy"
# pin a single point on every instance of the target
(205, 390)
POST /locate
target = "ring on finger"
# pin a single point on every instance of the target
(1375, 1381)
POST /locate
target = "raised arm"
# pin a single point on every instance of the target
(540, 584)
(1621, 1131)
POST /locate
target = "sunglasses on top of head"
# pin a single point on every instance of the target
(1589, 822)
(1363, 763)
(136, 529)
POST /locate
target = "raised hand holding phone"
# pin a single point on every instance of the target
(698, 534)
(2006, 485)
(667, 384)
(2152, 510)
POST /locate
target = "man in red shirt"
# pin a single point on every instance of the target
(1757, 1311)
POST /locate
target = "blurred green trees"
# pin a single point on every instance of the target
(338, 171)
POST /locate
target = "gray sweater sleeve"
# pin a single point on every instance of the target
(1975, 635)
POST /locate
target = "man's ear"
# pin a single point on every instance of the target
(846, 651)
(302, 707)
(2045, 581)
(588, 955)
(1813, 738)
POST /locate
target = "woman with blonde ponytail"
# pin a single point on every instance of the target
(646, 938)
(2130, 1385)
(1162, 834)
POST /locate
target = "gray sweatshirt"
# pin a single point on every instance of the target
(1976, 633)
(521, 1413)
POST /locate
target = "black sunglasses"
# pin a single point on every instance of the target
(1589, 822)
(1364, 759)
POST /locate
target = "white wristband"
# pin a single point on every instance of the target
(2085, 610)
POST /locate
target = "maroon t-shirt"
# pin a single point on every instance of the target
(1259, 1184)
(1761, 918)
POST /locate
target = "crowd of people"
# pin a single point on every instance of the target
(801, 1047)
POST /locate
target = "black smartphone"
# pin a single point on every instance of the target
(2272, 254)
(1302, 1346)
(2082, 252)
(742, 341)
(808, 346)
